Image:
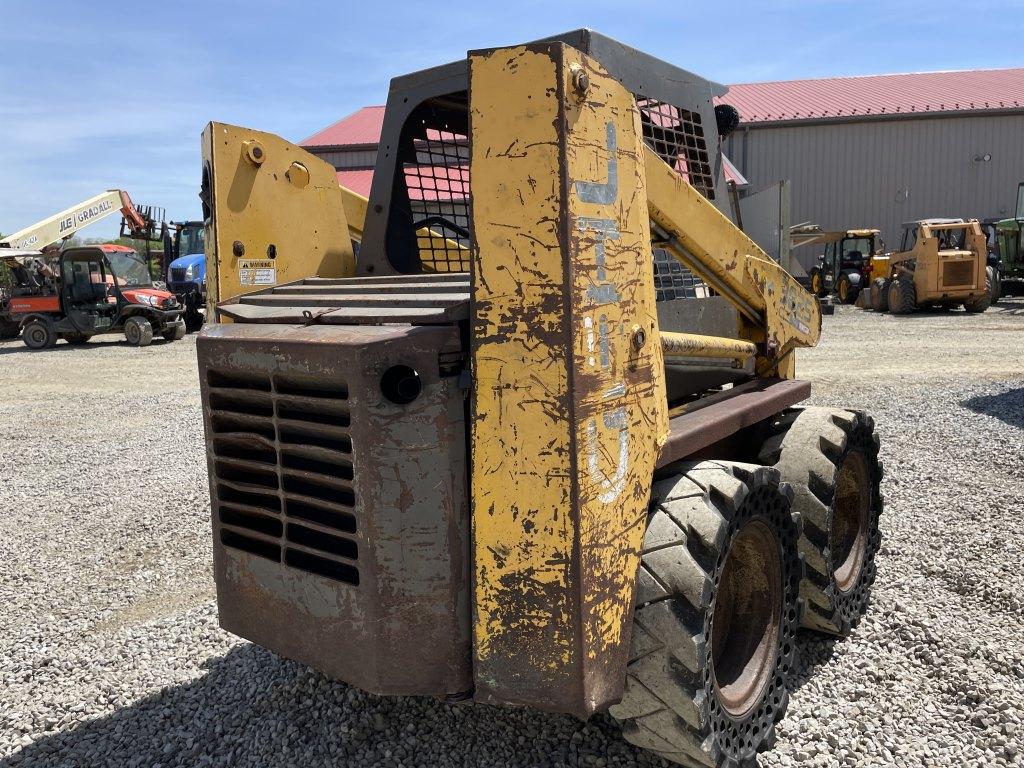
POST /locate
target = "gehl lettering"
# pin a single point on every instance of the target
(603, 292)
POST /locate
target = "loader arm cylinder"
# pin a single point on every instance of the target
(687, 345)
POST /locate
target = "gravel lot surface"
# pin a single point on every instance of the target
(110, 652)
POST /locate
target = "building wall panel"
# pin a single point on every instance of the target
(883, 173)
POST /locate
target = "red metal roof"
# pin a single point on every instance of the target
(357, 181)
(429, 182)
(867, 95)
(361, 127)
(874, 95)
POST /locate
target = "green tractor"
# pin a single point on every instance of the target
(1011, 250)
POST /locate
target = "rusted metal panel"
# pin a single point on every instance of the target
(716, 417)
(356, 300)
(379, 288)
(422, 299)
(332, 315)
(569, 400)
(341, 528)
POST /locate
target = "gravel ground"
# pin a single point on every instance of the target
(110, 652)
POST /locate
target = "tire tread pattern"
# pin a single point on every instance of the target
(669, 706)
(808, 445)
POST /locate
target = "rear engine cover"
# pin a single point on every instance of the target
(341, 530)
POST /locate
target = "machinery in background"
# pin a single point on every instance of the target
(59, 227)
(100, 289)
(485, 458)
(22, 273)
(942, 263)
(847, 264)
(990, 228)
(1011, 250)
(29, 261)
(186, 272)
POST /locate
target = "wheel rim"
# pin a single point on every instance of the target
(816, 283)
(131, 332)
(36, 335)
(843, 292)
(849, 533)
(746, 619)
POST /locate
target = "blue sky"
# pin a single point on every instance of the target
(111, 94)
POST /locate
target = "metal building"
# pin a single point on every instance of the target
(877, 151)
(855, 152)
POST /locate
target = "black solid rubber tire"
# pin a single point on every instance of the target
(902, 295)
(808, 446)
(38, 334)
(880, 294)
(995, 284)
(670, 705)
(981, 303)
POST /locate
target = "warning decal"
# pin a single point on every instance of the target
(257, 272)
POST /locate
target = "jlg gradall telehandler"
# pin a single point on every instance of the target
(481, 461)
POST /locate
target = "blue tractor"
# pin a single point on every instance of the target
(186, 275)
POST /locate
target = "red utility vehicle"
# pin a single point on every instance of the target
(101, 289)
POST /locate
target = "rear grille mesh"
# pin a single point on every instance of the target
(957, 273)
(282, 470)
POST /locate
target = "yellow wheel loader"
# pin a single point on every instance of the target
(483, 459)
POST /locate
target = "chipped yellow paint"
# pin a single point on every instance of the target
(775, 308)
(281, 196)
(569, 409)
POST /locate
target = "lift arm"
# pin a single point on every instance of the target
(64, 224)
(775, 309)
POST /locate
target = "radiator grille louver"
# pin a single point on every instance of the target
(282, 466)
(957, 274)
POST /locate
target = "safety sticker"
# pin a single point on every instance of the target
(257, 272)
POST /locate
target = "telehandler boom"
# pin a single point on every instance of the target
(487, 460)
(64, 224)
